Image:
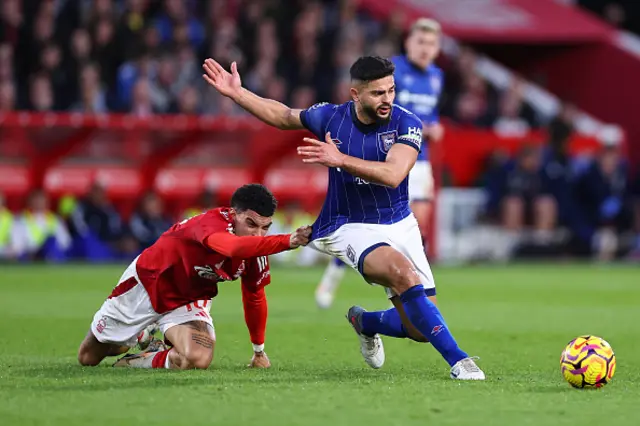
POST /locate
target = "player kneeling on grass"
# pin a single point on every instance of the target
(171, 285)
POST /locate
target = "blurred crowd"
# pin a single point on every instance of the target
(551, 202)
(90, 227)
(143, 57)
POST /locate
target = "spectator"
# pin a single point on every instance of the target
(11, 19)
(6, 62)
(106, 50)
(51, 64)
(7, 244)
(526, 199)
(604, 208)
(141, 105)
(515, 117)
(176, 15)
(95, 216)
(188, 101)
(7, 96)
(303, 97)
(92, 95)
(149, 221)
(142, 67)
(38, 232)
(41, 95)
(80, 47)
(163, 88)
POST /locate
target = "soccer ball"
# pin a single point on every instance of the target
(588, 362)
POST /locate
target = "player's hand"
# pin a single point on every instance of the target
(300, 237)
(434, 132)
(228, 84)
(259, 360)
(318, 152)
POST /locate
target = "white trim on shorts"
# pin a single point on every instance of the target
(352, 242)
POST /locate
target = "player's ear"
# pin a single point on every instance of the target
(354, 94)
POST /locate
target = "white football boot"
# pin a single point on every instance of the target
(142, 359)
(146, 336)
(371, 347)
(467, 369)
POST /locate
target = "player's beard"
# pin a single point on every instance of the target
(371, 113)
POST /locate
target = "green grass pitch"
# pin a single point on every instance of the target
(516, 318)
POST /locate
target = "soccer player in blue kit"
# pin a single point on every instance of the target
(369, 146)
(418, 86)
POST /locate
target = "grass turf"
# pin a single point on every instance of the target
(517, 318)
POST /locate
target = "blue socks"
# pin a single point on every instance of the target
(387, 323)
(424, 316)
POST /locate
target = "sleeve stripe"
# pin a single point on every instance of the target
(411, 144)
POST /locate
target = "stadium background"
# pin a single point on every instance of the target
(108, 135)
(108, 94)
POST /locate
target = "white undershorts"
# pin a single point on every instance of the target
(122, 318)
(352, 242)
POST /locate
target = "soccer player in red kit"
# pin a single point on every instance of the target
(171, 284)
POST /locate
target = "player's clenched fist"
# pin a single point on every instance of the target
(300, 237)
(260, 360)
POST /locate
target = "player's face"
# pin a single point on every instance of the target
(423, 47)
(250, 223)
(376, 98)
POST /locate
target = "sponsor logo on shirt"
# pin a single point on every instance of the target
(208, 273)
(318, 105)
(414, 136)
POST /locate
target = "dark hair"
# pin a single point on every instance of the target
(369, 68)
(254, 197)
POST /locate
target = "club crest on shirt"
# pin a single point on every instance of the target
(386, 140)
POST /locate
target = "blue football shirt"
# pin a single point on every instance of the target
(418, 90)
(351, 199)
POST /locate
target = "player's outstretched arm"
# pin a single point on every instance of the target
(229, 84)
(391, 172)
(230, 245)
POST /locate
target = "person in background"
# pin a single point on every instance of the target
(206, 201)
(96, 216)
(604, 206)
(149, 221)
(7, 248)
(38, 232)
(526, 198)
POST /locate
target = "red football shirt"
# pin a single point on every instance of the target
(183, 267)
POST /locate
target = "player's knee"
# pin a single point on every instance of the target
(402, 276)
(86, 358)
(198, 358)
